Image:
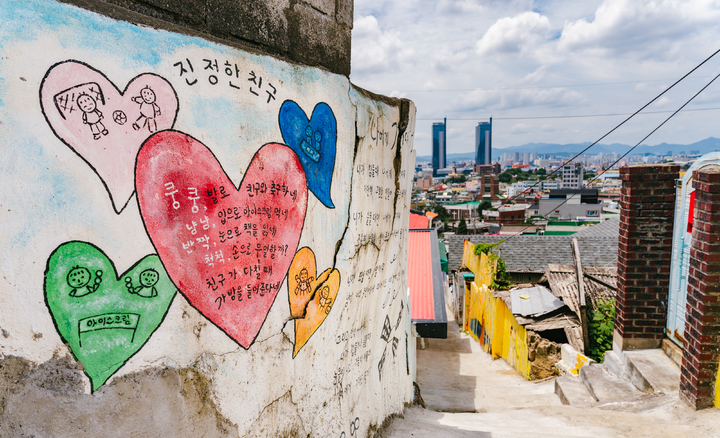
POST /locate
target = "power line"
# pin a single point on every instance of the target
(629, 150)
(630, 117)
(539, 87)
(570, 116)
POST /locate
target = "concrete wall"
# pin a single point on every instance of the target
(197, 240)
(310, 32)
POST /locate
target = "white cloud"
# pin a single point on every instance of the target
(520, 98)
(518, 34)
(472, 59)
(630, 26)
(374, 50)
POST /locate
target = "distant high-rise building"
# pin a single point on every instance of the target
(438, 146)
(483, 142)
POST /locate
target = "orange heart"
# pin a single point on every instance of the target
(301, 281)
(311, 299)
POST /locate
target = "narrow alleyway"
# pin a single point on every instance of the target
(470, 395)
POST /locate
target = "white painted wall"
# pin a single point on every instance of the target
(51, 196)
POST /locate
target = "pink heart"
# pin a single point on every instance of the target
(103, 125)
(226, 249)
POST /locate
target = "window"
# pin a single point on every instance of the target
(591, 213)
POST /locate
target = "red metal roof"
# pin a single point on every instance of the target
(420, 275)
(418, 221)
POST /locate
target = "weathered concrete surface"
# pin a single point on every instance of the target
(314, 32)
(489, 399)
(50, 401)
(653, 371)
(604, 386)
(313, 341)
(572, 391)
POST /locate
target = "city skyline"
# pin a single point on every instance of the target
(538, 68)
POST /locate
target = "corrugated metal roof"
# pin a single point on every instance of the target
(419, 221)
(534, 301)
(420, 275)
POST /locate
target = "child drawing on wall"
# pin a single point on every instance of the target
(148, 110)
(91, 115)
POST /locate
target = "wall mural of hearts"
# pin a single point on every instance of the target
(226, 248)
(103, 317)
(315, 143)
(103, 125)
(311, 298)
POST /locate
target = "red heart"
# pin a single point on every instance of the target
(226, 249)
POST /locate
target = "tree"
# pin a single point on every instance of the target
(456, 179)
(442, 213)
(505, 177)
(540, 172)
(484, 205)
(462, 227)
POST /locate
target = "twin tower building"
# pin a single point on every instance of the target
(483, 144)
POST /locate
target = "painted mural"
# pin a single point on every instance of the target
(104, 317)
(178, 187)
(489, 320)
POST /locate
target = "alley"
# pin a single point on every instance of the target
(470, 395)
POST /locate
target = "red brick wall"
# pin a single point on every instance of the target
(702, 327)
(644, 251)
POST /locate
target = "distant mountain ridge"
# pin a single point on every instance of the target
(710, 144)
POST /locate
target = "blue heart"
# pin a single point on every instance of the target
(315, 142)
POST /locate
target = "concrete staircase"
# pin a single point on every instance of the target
(631, 381)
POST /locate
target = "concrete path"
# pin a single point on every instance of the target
(470, 395)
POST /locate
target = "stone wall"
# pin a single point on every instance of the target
(197, 240)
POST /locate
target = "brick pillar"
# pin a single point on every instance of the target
(644, 251)
(702, 324)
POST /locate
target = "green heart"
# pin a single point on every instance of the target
(103, 317)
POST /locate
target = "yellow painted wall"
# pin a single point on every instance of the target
(488, 319)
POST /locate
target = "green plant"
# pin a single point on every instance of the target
(501, 278)
(600, 329)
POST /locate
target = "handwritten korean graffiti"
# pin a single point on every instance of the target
(232, 266)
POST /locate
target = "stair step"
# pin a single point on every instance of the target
(606, 387)
(615, 365)
(642, 403)
(572, 391)
(653, 371)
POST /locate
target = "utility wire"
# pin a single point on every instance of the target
(525, 88)
(628, 151)
(569, 116)
(630, 117)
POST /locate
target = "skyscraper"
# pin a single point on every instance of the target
(438, 146)
(483, 142)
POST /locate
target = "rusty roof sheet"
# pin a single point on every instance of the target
(599, 283)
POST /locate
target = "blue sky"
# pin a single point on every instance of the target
(468, 60)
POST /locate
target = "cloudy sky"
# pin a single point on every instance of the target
(530, 64)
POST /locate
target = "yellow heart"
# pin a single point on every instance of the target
(311, 299)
